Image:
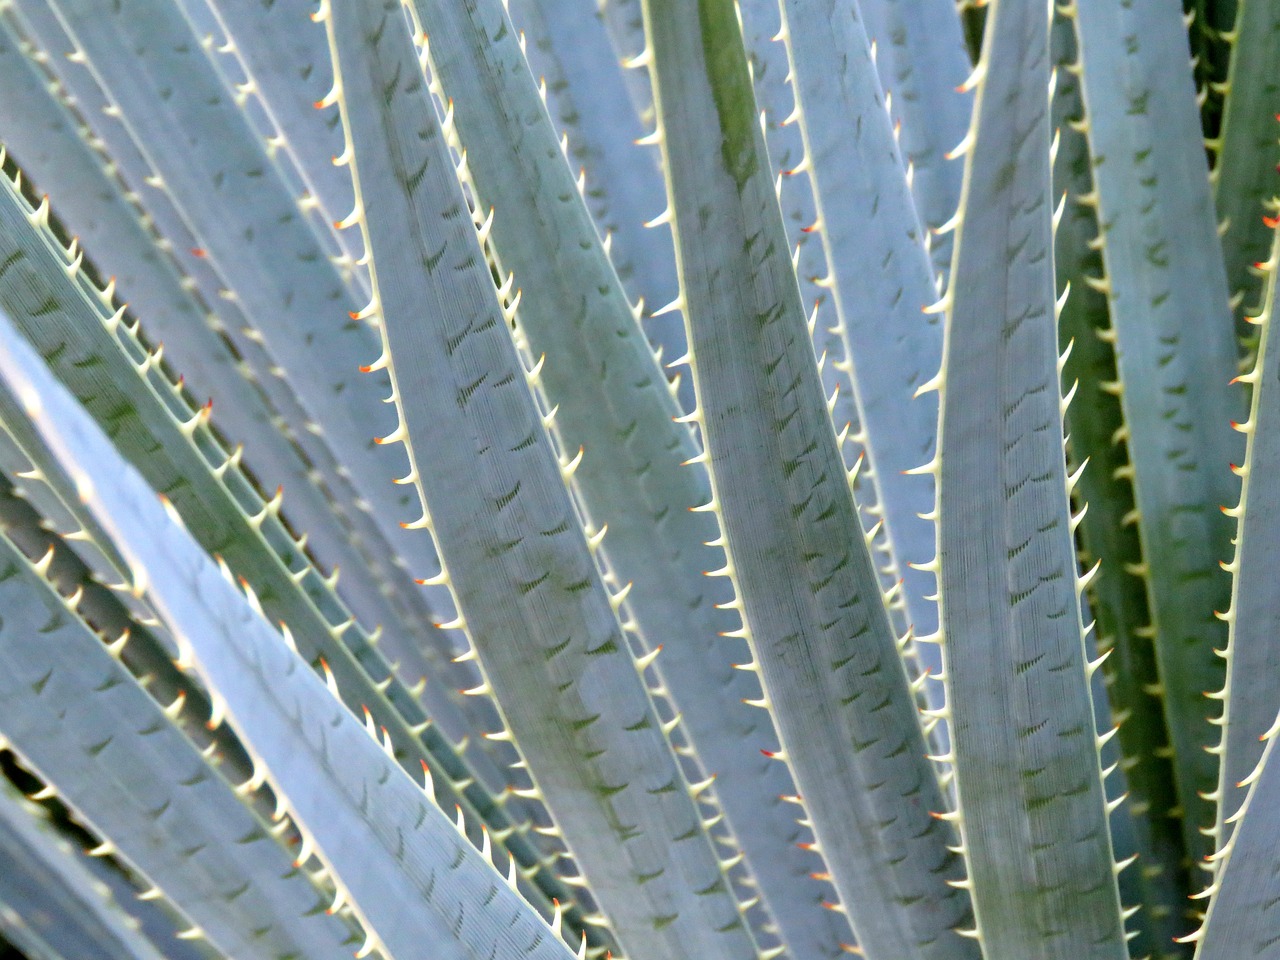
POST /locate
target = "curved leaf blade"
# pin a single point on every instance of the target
(413, 879)
(1031, 805)
(636, 477)
(1252, 688)
(807, 590)
(55, 896)
(543, 626)
(1176, 353)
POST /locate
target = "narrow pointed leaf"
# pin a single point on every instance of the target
(1252, 687)
(880, 275)
(553, 650)
(568, 49)
(1240, 921)
(633, 477)
(42, 133)
(1245, 184)
(55, 896)
(1108, 529)
(76, 716)
(275, 264)
(1030, 797)
(288, 66)
(102, 362)
(922, 59)
(415, 882)
(807, 590)
(1175, 348)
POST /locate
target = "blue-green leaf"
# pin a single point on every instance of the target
(76, 715)
(923, 65)
(1248, 148)
(1252, 687)
(633, 478)
(415, 882)
(543, 626)
(879, 274)
(55, 898)
(100, 359)
(1031, 805)
(1240, 921)
(808, 594)
(1175, 351)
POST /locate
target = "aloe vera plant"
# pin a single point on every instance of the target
(414, 545)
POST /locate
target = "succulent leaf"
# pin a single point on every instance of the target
(408, 873)
(1252, 689)
(67, 911)
(807, 591)
(641, 472)
(545, 629)
(880, 276)
(923, 65)
(74, 713)
(1031, 806)
(1245, 184)
(1175, 350)
(64, 316)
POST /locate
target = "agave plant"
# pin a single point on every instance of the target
(886, 592)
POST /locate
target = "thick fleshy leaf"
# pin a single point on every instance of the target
(1031, 805)
(1252, 689)
(100, 359)
(1245, 184)
(635, 478)
(1176, 353)
(413, 879)
(879, 274)
(1109, 535)
(808, 594)
(569, 51)
(923, 64)
(544, 627)
(46, 139)
(1241, 918)
(73, 712)
(56, 901)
